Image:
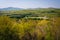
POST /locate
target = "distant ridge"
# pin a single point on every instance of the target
(10, 8)
(15, 8)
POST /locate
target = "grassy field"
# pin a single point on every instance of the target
(36, 24)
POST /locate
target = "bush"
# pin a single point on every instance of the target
(6, 31)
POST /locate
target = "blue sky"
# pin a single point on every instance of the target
(30, 3)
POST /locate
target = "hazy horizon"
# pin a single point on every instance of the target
(30, 3)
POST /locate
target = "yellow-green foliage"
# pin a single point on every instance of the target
(6, 31)
(27, 29)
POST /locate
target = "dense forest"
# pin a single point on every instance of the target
(30, 24)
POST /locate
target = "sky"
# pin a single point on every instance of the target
(30, 3)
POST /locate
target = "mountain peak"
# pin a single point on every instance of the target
(11, 8)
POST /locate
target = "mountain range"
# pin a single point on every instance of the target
(14, 8)
(10, 8)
